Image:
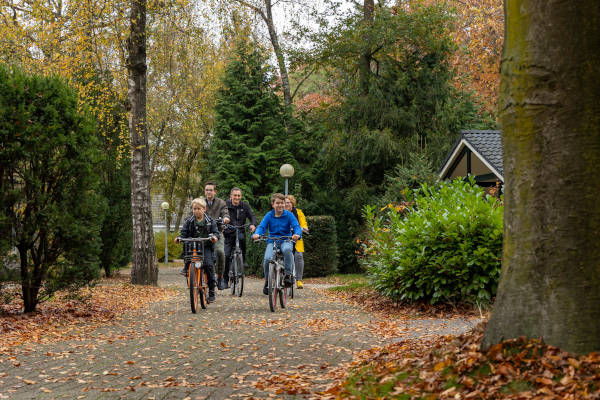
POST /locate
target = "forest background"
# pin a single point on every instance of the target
(364, 99)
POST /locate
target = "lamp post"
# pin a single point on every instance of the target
(165, 206)
(286, 171)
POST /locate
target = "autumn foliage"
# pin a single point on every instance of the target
(63, 316)
(457, 368)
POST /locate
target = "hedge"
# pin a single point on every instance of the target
(175, 249)
(321, 252)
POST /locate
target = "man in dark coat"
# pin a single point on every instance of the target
(215, 208)
(239, 211)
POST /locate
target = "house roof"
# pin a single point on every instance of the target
(486, 144)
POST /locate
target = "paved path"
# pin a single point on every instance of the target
(236, 348)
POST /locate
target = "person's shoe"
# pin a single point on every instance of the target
(211, 297)
(221, 284)
(287, 280)
(299, 284)
(225, 284)
(184, 271)
(265, 289)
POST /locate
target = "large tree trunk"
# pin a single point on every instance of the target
(145, 266)
(550, 115)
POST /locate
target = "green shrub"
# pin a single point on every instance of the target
(51, 208)
(254, 255)
(175, 249)
(321, 253)
(320, 246)
(447, 248)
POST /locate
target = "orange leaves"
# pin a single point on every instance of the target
(449, 367)
(58, 319)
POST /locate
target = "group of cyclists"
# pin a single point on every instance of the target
(283, 220)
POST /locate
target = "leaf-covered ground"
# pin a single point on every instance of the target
(453, 366)
(236, 348)
(67, 315)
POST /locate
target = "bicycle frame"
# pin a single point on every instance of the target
(236, 272)
(276, 272)
(196, 279)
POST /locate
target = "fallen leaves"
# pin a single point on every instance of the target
(455, 367)
(61, 318)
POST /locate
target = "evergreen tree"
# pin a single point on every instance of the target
(50, 210)
(399, 103)
(251, 137)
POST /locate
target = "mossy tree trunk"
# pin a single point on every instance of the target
(550, 116)
(144, 269)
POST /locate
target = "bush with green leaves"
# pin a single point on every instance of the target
(447, 248)
(174, 249)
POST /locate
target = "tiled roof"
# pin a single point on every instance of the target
(488, 144)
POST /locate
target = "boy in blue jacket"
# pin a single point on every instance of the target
(279, 222)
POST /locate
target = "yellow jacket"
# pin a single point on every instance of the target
(303, 224)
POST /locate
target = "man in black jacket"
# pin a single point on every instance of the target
(239, 211)
(216, 208)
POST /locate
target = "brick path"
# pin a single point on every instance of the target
(236, 348)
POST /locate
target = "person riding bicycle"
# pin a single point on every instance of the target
(239, 211)
(279, 222)
(216, 208)
(200, 225)
(290, 205)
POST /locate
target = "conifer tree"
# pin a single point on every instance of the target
(251, 139)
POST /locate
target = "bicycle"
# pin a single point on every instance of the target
(276, 270)
(236, 266)
(196, 279)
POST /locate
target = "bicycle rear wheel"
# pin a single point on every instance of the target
(240, 275)
(272, 283)
(193, 283)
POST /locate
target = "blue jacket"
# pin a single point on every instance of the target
(279, 226)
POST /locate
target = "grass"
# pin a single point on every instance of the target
(339, 279)
(364, 384)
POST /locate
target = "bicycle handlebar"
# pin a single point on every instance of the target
(236, 226)
(265, 237)
(195, 239)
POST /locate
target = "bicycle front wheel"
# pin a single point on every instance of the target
(240, 276)
(233, 275)
(282, 291)
(273, 283)
(194, 278)
(202, 289)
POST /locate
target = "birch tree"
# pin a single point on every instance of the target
(144, 263)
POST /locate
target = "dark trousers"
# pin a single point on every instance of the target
(208, 268)
(230, 247)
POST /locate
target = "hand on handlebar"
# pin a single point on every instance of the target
(255, 236)
(213, 238)
(295, 237)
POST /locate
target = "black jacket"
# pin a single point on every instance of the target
(238, 215)
(191, 229)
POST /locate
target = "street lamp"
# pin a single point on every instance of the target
(165, 206)
(286, 171)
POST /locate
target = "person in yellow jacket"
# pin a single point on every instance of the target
(290, 205)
